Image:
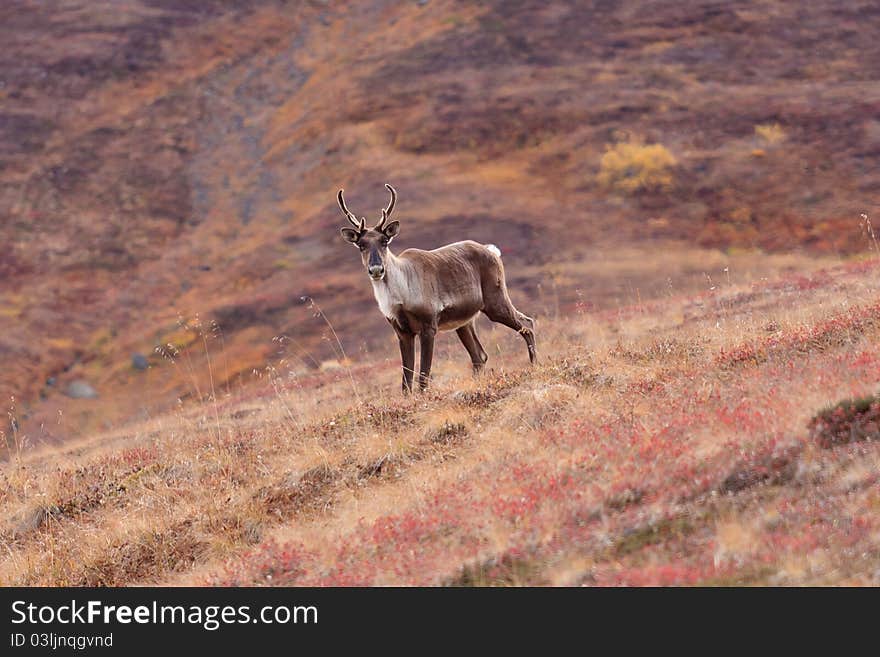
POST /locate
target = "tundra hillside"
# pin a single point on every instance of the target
(728, 437)
(162, 161)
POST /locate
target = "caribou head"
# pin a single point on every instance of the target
(372, 242)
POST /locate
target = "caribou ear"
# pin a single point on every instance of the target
(392, 229)
(349, 235)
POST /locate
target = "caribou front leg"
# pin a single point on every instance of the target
(407, 343)
(426, 339)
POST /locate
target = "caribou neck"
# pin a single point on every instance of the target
(394, 289)
(395, 272)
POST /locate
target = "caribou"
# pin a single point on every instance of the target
(423, 292)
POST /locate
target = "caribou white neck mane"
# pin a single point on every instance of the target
(394, 289)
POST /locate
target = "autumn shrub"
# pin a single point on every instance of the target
(852, 420)
(770, 133)
(632, 166)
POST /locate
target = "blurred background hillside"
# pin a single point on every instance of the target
(168, 171)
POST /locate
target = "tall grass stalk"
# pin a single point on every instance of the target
(320, 313)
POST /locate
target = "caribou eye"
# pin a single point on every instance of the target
(362, 247)
(384, 241)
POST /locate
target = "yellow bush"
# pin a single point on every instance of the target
(772, 133)
(632, 166)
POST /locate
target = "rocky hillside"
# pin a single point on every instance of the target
(168, 170)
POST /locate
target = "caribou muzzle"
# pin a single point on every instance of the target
(375, 265)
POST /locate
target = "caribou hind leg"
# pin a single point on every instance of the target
(468, 336)
(503, 312)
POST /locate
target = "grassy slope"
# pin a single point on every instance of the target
(660, 443)
(160, 161)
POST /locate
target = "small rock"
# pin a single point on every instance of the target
(139, 362)
(30, 521)
(80, 389)
(50, 381)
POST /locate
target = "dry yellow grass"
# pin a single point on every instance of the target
(192, 496)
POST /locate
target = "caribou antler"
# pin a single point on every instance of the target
(349, 215)
(387, 211)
